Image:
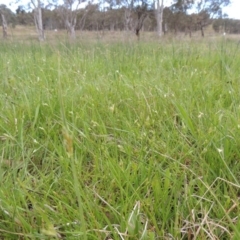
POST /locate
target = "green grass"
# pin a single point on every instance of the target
(121, 141)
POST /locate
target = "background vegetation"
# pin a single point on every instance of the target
(186, 17)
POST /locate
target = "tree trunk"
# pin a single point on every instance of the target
(202, 31)
(71, 27)
(127, 19)
(141, 17)
(159, 16)
(165, 29)
(4, 26)
(72, 32)
(38, 20)
(188, 30)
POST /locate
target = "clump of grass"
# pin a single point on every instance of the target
(119, 141)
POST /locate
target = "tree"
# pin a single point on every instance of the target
(159, 17)
(128, 11)
(37, 13)
(177, 16)
(141, 15)
(4, 22)
(208, 9)
(7, 17)
(36, 6)
(4, 25)
(69, 12)
(142, 8)
(205, 10)
(135, 12)
(128, 19)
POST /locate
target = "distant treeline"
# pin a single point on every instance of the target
(93, 18)
(231, 26)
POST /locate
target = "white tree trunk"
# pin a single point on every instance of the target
(127, 19)
(70, 25)
(159, 16)
(38, 20)
(4, 26)
(72, 32)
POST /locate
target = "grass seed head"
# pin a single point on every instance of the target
(68, 142)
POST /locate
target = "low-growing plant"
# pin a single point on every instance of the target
(120, 141)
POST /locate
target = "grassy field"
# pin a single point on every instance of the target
(120, 140)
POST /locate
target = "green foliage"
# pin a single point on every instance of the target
(119, 141)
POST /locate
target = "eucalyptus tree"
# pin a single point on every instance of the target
(4, 21)
(7, 17)
(68, 11)
(37, 13)
(128, 18)
(36, 7)
(208, 9)
(142, 12)
(180, 20)
(204, 10)
(135, 12)
(159, 16)
(127, 6)
(4, 24)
